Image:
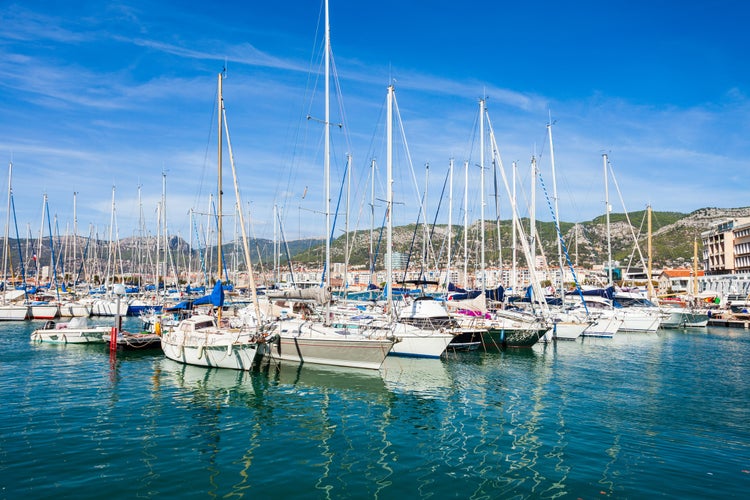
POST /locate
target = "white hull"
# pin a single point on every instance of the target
(684, 319)
(636, 321)
(95, 335)
(212, 350)
(76, 331)
(106, 307)
(307, 342)
(605, 326)
(74, 310)
(419, 343)
(13, 313)
(46, 311)
(565, 330)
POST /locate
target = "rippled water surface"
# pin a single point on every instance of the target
(637, 416)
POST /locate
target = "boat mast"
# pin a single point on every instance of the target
(466, 224)
(650, 290)
(6, 245)
(219, 193)
(514, 274)
(532, 215)
(389, 202)
(450, 226)
(481, 188)
(372, 218)
(75, 235)
(606, 211)
(557, 213)
(348, 194)
(327, 161)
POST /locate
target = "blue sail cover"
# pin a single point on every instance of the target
(607, 293)
(497, 294)
(216, 297)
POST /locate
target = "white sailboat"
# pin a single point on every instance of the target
(205, 340)
(413, 341)
(636, 313)
(9, 309)
(567, 325)
(320, 341)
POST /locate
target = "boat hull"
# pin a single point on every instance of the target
(71, 336)
(684, 319)
(233, 355)
(14, 313)
(75, 310)
(46, 311)
(496, 339)
(647, 323)
(305, 343)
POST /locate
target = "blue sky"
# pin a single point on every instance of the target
(102, 94)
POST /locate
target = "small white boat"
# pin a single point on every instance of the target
(76, 331)
(199, 341)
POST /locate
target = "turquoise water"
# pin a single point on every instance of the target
(637, 416)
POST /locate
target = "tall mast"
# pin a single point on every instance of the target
(372, 218)
(75, 234)
(514, 274)
(275, 246)
(7, 226)
(450, 224)
(219, 190)
(466, 224)
(389, 200)
(425, 230)
(481, 188)
(164, 227)
(557, 213)
(327, 159)
(650, 288)
(532, 214)
(606, 211)
(348, 196)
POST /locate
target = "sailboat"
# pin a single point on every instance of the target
(203, 339)
(318, 340)
(502, 327)
(636, 312)
(9, 310)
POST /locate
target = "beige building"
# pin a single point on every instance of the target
(726, 248)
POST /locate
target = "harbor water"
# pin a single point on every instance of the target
(635, 416)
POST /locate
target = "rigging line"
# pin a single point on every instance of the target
(18, 242)
(434, 222)
(200, 253)
(335, 218)
(377, 246)
(52, 250)
(564, 246)
(286, 250)
(413, 238)
(627, 217)
(408, 153)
